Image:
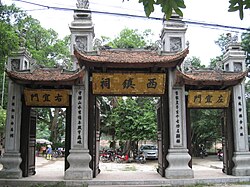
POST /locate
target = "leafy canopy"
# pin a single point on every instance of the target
(129, 38)
(46, 49)
(134, 119)
(169, 6)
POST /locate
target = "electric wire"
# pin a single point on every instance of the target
(199, 23)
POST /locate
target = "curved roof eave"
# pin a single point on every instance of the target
(46, 76)
(121, 58)
(209, 78)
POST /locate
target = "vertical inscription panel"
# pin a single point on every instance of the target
(177, 117)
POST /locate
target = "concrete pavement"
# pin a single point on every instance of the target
(206, 171)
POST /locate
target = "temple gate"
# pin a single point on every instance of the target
(157, 72)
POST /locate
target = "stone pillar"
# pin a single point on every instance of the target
(79, 156)
(241, 156)
(11, 159)
(178, 156)
(234, 61)
(82, 31)
(173, 34)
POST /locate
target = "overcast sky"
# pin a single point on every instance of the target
(201, 38)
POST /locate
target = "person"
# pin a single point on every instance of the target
(49, 152)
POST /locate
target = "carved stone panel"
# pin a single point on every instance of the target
(15, 64)
(237, 67)
(175, 44)
(81, 43)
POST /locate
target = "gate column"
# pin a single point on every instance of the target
(79, 156)
(234, 61)
(241, 156)
(12, 158)
(178, 157)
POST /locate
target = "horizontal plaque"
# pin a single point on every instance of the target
(46, 97)
(208, 98)
(129, 83)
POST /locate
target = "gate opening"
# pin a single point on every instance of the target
(127, 130)
(44, 141)
(211, 137)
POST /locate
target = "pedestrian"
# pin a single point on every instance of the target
(49, 152)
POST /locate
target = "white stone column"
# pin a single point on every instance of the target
(11, 159)
(178, 156)
(79, 156)
(241, 156)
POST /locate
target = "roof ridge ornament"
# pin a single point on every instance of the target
(82, 4)
(219, 66)
(97, 44)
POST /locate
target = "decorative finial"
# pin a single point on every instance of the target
(232, 39)
(97, 43)
(82, 4)
(219, 66)
(158, 45)
(22, 35)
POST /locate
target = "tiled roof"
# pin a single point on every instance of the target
(209, 78)
(129, 58)
(45, 76)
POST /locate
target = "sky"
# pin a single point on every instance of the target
(200, 37)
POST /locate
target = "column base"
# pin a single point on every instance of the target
(11, 166)
(241, 164)
(178, 164)
(79, 165)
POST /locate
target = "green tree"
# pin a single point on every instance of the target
(2, 118)
(205, 128)
(9, 42)
(194, 62)
(17, 28)
(167, 7)
(44, 45)
(245, 43)
(129, 38)
(134, 120)
(223, 40)
(214, 61)
(247, 87)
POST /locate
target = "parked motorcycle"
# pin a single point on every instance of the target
(220, 154)
(107, 156)
(140, 158)
(121, 158)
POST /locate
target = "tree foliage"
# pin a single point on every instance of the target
(2, 118)
(134, 119)
(169, 6)
(205, 127)
(222, 41)
(51, 124)
(129, 38)
(194, 62)
(19, 29)
(245, 43)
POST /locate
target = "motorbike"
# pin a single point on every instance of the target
(121, 158)
(140, 158)
(220, 154)
(107, 156)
